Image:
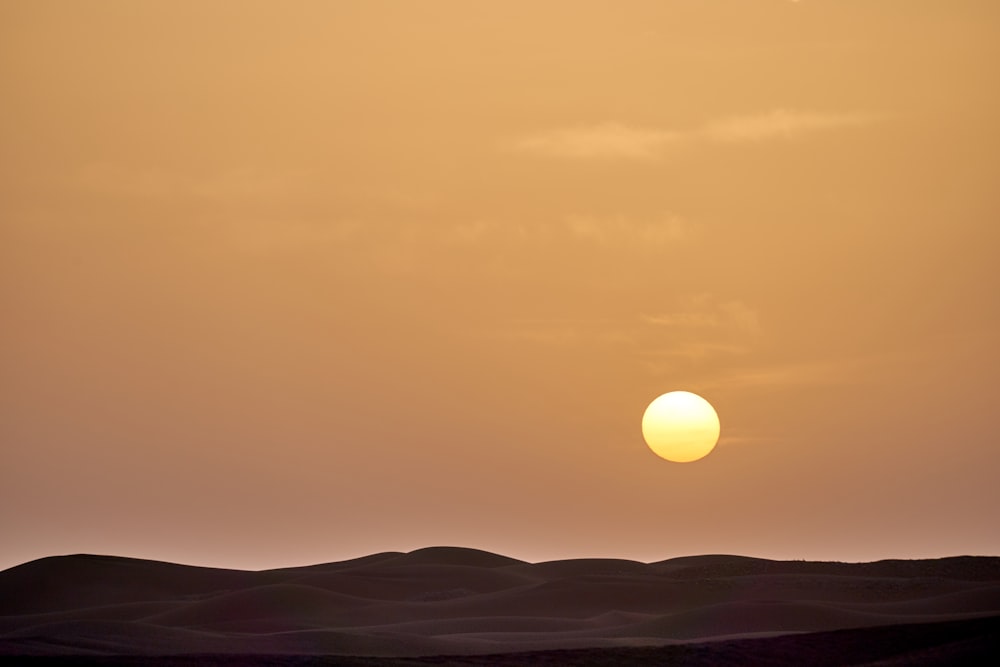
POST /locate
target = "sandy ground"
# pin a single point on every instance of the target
(474, 607)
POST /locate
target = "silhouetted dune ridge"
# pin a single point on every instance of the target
(971, 568)
(453, 556)
(458, 601)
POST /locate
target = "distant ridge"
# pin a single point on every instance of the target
(971, 568)
(460, 601)
(453, 556)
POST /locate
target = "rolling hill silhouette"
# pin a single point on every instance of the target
(449, 601)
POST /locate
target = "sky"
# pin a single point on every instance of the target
(293, 282)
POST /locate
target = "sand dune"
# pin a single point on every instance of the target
(453, 601)
(452, 556)
(290, 603)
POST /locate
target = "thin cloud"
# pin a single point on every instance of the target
(625, 142)
(702, 313)
(779, 124)
(644, 231)
(726, 440)
(685, 320)
(565, 332)
(698, 350)
(818, 373)
(607, 140)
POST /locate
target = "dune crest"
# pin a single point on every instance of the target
(457, 601)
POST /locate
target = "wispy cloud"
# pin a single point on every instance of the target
(606, 140)
(780, 124)
(701, 312)
(787, 375)
(565, 332)
(645, 231)
(686, 320)
(695, 350)
(736, 439)
(621, 141)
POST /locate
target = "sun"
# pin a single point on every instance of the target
(680, 426)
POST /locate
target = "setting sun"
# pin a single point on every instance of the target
(680, 426)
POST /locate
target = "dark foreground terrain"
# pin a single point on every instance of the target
(469, 607)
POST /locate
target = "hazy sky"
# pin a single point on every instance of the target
(292, 282)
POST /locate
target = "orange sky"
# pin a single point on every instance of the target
(293, 282)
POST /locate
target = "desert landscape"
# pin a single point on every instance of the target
(449, 605)
(576, 332)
